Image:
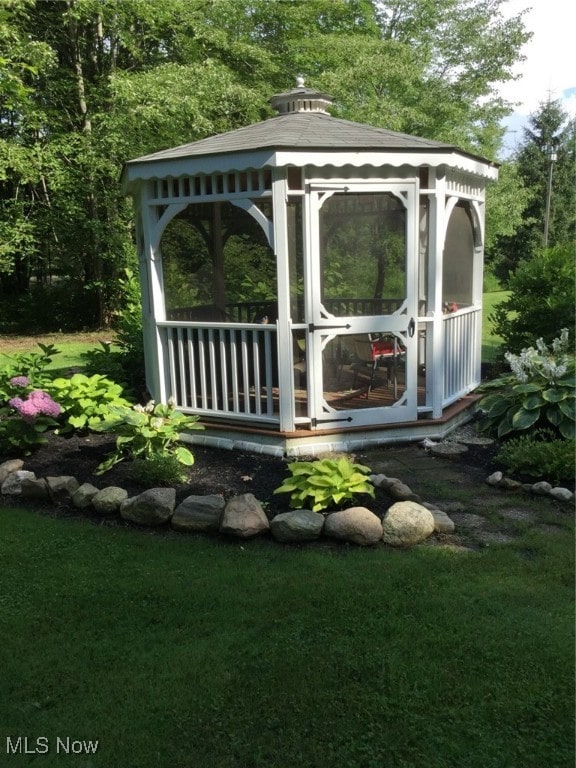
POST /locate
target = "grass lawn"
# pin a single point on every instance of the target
(71, 346)
(490, 342)
(189, 652)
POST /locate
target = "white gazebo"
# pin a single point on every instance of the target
(311, 283)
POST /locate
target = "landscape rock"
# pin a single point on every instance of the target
(244, 517)
(495, 478)
(448, 450)
(561, 494)
(7, 467)
(509, 485)
(442, 523)
(12, 486)
(153, 507)
(541, 489)
(476, 441)
(199, 514)
(356, 524)
(62, 488)
(109, 500)
(34, 488)
(83, 496)
(382, 481)
(407, 523)
(299, 525)
(402, 492)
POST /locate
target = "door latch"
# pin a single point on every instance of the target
(411, 327)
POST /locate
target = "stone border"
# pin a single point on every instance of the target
(541, 488)
(407, 522)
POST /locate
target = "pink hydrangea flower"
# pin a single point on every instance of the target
(20, 381)
(38, 403)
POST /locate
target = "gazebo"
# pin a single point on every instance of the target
(310, 283)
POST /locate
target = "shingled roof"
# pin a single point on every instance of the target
(302, 131)
(303, 124)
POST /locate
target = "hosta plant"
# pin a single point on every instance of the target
(325, 483)
(86, 400)
(540, 392)
(145, 432)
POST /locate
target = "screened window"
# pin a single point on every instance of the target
(457, 271)
(218, 266)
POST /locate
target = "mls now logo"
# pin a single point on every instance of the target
(23, 745)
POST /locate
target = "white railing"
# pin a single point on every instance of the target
(461, 353)
(223, 369)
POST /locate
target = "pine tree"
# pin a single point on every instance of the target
(548, 129)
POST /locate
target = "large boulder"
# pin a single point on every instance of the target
(106, 502)
(356, 524)
(7, 467)
(407, 523)
(153, 507)
(244, 517)
(299, 525)
(198, 514)
(12, 486)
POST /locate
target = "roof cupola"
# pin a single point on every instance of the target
(301, 99)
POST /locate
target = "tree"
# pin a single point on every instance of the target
(548, 127)
(541, 301)
(87, 84)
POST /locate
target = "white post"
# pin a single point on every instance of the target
(283, 333)
(437, 235)
(154, 301)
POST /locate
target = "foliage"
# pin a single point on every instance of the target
(87, 85)
(25, 419)
(157, 470)
(542, 299)
(539, 454)
(540, 391)
(145, 432)
(548, 127)
(125, 364)
(326, 483)
(29, 365)
(86, 400)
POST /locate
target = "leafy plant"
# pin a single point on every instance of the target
(326, 482)
(25, 419)
(86, 400)
(157, 470)
(541, 299)
(539, 454)
(146, 432)
(538, 393)
(26, 365)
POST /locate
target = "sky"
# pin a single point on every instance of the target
(550, 65)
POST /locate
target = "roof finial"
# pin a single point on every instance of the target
(300, 81)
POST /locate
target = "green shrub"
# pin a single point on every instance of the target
(145, 432)
(539, 454)
(542, 299)
(538, 393)
(86, 400)
(158, 470)
(29, 365)
(325, 483)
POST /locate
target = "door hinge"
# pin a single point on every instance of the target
(315, 421)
